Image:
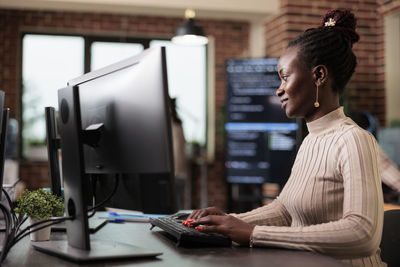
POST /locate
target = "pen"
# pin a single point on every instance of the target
(127, 215)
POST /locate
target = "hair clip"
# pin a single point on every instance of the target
(330, 22)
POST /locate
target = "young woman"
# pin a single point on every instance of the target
(332, 203)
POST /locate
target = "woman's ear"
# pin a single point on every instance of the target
(320, 74)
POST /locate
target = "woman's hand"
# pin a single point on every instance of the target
(238, 230)
(197, 214)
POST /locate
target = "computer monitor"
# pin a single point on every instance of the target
(4, 116)
(5, 202)
(112, 121)
(53, 146)
(3, 135)
(261, 141)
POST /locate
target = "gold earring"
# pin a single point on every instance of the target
(316, 103)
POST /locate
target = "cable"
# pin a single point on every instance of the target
(10, 220)
(94, 208)
(20, 224)
(107, 198)
(92, 214)
(57, 220)
(8, 232)
(21, 235)
(13, 234)
(94, 185)
(10, 204)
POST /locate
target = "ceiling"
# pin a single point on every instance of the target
(252, 10)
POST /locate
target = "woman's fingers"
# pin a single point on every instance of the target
(208, 220)
(208, 224)
(201, 213)
(238, 230)
(208, 228)
(196, 214)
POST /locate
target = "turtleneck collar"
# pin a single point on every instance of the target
(326, 122)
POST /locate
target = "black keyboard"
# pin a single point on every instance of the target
(186, 236)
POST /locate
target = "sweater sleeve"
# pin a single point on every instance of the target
(358, 232)
(274, 213)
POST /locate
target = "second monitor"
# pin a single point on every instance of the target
(113, 121)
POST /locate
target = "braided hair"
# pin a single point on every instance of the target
(331, 45)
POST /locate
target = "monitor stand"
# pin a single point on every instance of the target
(78, 247)
(100, 251)
(95, 224)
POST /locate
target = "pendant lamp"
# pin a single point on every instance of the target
(188, 33)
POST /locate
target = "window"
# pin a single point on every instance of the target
(106, 53)
(49, 61)
(186, 66)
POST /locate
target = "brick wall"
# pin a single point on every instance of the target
(35, 174)
(366, 88)
(231, 41)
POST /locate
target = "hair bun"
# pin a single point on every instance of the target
(343, 21)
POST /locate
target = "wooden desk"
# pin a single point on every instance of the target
(389, 206)
(138, 234)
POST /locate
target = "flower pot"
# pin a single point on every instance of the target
(42, 234)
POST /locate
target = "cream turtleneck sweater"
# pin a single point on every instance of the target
(332, 203)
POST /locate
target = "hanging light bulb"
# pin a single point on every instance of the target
(188, 33)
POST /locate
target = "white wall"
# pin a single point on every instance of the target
(392, 66)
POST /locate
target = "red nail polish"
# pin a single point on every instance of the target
(199, 228)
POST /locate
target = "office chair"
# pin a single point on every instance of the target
(390, 243)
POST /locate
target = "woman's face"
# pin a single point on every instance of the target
(297, 91)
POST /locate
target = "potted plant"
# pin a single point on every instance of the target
(39, 205)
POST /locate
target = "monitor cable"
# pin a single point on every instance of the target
(94, 208)
(7, 233)
(10, 203)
